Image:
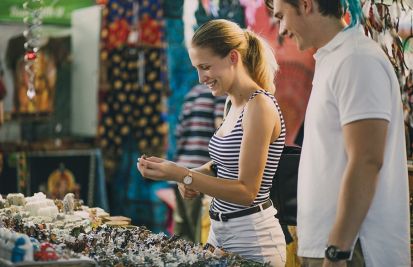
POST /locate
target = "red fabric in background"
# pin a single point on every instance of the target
(294, 79)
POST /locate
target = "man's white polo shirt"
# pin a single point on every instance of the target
(353, 81)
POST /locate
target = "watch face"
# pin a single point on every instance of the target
(331, 253)
(187, 180)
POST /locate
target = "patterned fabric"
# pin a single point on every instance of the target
(132, 109)
(173, 9)
(135, 197)
(116, 21)
(197, 125)
(133, 80)
(150, 22)
(132, 118)
(228, 9)
(225, 152)
(182, 77)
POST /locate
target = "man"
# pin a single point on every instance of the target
(353, 184)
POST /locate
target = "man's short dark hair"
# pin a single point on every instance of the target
(326, 7)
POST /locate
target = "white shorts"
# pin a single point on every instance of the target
(256, 237)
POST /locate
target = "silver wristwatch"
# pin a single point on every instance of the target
(188, 178)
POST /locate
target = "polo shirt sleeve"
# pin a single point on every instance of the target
(363, 89)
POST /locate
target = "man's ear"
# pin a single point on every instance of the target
(307, 6)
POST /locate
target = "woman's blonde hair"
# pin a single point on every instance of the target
(222, 36)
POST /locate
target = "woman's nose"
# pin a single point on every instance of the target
(202, 78)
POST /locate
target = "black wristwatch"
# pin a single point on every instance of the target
(333, 253)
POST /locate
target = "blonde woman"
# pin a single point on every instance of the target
(245, 149)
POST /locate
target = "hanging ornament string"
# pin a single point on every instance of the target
(33, 21)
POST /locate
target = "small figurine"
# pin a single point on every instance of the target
(69, 203)
(59, 205)
(46, 253)
(22, 250)
(16, 199)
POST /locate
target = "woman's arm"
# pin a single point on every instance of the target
(260, 117)
(205, 169)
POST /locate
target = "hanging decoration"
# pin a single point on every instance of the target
(251, 8)
(382, 25)
(408, 45)
(382, 22)
(33, 21)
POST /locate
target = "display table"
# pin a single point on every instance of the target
(38, 231)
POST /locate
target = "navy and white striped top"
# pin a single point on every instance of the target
(224, 151)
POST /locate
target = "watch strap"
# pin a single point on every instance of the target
(333, 253)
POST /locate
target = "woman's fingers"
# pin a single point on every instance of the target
(149, 170)
(155, 159)
(149, 164)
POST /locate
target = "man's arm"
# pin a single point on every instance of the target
(364, 143)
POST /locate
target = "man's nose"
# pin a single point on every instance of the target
(282, 30)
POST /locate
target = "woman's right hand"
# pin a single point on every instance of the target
(186, 192)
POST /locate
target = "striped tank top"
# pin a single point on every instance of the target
(224, 151)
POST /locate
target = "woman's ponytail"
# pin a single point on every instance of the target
(260, 61)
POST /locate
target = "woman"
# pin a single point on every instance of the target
(246, 148)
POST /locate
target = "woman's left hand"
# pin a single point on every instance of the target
(157, 169)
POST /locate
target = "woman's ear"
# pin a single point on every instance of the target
(233, 56)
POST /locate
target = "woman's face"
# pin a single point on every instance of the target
(215, 72)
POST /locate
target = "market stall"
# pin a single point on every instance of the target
(90, 86)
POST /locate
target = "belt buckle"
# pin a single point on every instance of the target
(223, 217)
(214, 215)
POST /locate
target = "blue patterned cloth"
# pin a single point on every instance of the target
(135, 197)
(182, 77)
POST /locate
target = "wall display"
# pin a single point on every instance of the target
(35, 89)
(44, 77)
(59, 173)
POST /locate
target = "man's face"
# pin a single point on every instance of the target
(292, 23)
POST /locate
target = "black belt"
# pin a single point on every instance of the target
(219, 216)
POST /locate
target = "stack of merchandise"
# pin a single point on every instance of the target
(36, 229)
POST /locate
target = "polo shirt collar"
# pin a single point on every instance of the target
(335, 42)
